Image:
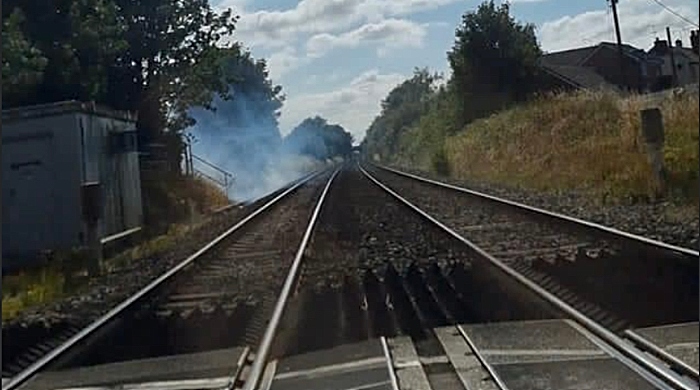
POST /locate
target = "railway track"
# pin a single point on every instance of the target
(654, 282)
(372, 265)
(163, 317)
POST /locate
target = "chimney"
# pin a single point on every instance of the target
(661, 45)
(694, 40)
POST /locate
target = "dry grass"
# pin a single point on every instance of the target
(584, 141)
(205, 195)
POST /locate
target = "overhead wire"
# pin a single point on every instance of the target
(671, 10)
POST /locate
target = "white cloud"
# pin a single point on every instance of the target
(275, 29)
(353, 106)
(285, 60)
(640, 22)
(387, 34)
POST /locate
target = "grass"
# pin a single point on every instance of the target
(205, 195)
(66, 272)
(589, 141)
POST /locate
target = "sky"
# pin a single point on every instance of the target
(339, 58)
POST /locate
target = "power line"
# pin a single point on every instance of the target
(669, 9)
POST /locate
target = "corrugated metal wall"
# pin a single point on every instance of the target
(108, 160)
(45, 159)
(40, 205)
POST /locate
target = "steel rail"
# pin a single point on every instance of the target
(656, 350)
(240, 365)
(393, 378)
(257, 368)
(489, 368)
(639, 357)
(35, 367)
(550, 214)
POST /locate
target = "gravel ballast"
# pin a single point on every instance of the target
(663, 221)
(363, 228)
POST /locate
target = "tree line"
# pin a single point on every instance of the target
(494, 65)
(317, 138)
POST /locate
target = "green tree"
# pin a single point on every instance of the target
(78, 40)
(401, 109)
(167, 68)
(317, 138)
(22, 63)
(153, 57)
(493, 60)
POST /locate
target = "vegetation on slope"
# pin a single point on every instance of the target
(489, 122)
(585, 141)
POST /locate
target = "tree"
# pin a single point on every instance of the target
(317, 138)
(493, 60)
(77, 41)
(401, 109)
(22, 63)
(161, 74)
(156, 57)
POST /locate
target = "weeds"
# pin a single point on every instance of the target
(586, 141)
(64, 273)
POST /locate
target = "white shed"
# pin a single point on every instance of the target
(48, 152)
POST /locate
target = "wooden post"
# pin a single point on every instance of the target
(95, 249)
(620, 52)
(91, 198)
(674, 71)
(653, 133)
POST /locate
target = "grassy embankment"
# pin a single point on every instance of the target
(589, 142)
(65, 273)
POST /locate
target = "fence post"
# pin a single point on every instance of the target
(91, 199)
(653, 133)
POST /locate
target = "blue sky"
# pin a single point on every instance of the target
(339, 58)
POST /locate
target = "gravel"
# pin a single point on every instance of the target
(363, 228)
(650, 287)
(662, 221)
(252, 266)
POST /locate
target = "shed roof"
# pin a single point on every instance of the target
(64, 107)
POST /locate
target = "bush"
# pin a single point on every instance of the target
(439, 162)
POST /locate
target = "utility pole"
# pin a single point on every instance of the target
(674, 72)
(619, 41)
